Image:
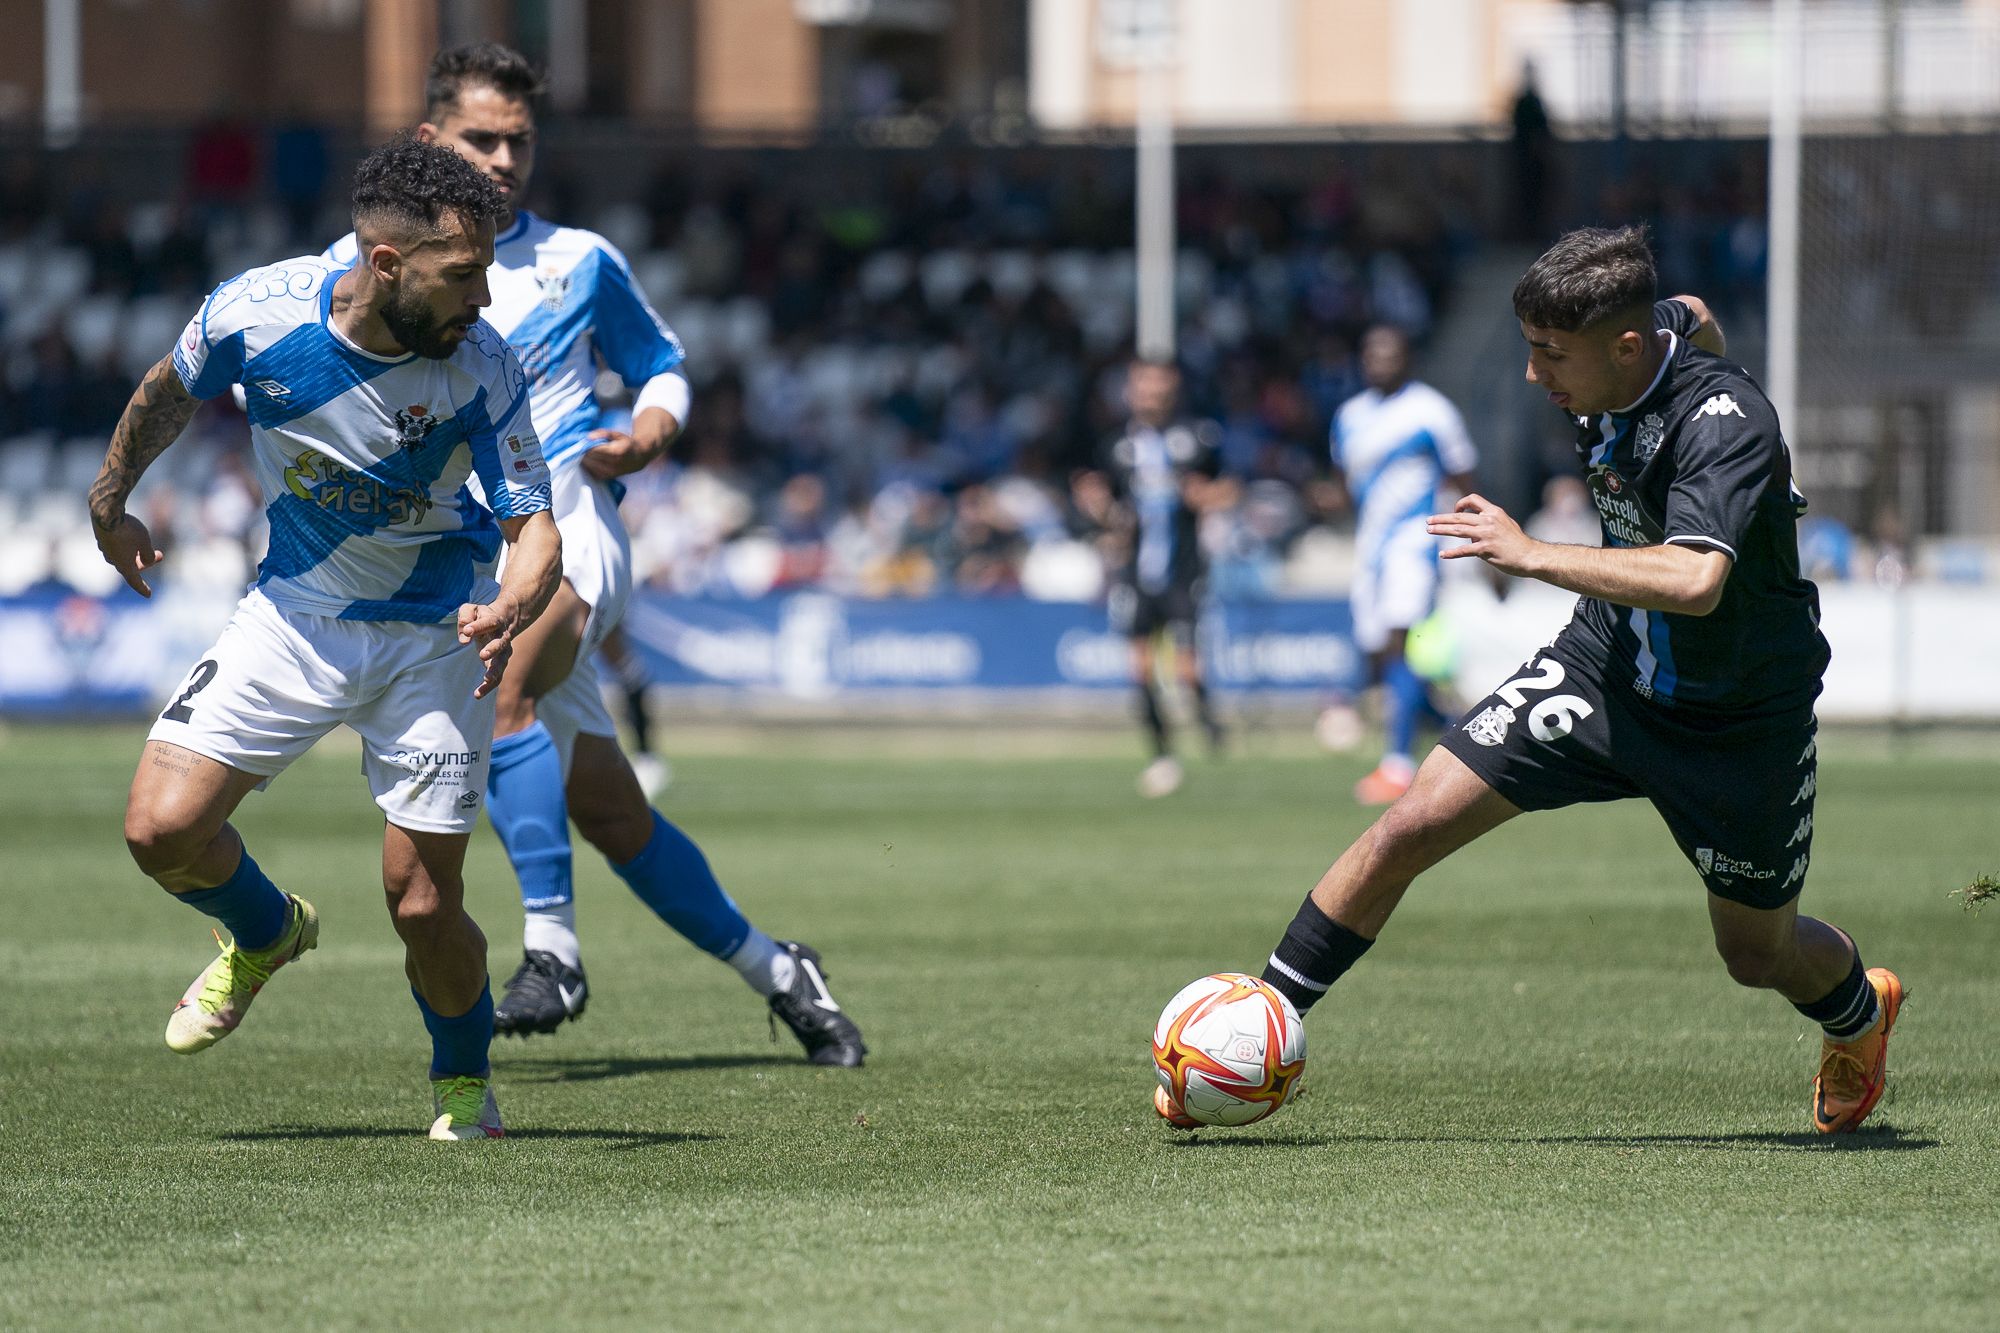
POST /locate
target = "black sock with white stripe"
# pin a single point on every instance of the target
(1314, 954)
(1849, 1009)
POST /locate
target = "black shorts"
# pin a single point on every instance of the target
(1738, 798)
(1140, 615)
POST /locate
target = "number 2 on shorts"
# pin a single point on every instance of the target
(179, 710)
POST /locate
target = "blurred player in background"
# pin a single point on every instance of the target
(1164, 473)
(374, 392)
(1394, 445)
(1686, 677)
(565, 298)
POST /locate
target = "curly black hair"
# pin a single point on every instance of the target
(410, 186)
(1588, 276)
(484, 64)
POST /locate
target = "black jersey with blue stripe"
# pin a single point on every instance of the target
(1700, 461)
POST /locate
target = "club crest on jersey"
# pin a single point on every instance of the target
(413, 424)
(1652, 430)
(1490, 727)
(555, 288)
(1722, 405)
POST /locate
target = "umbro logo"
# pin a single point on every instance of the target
(1722, 405)
(272, 389)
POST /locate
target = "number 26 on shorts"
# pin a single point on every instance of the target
(1554, 717)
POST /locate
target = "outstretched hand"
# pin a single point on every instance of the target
(128, 548)
(1489, 532)
(492, 626)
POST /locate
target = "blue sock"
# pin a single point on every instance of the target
(672, 877)
(524, 799)
(459, 1045)
(247, 903)
(1406, 701)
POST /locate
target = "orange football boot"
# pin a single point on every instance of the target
(1170, 1110)
(1853, 1073)
(1384, 785)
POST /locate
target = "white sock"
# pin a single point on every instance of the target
(767, 968)
(553, 930)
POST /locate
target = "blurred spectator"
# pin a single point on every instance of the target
(1826, 549)
(1567, 516)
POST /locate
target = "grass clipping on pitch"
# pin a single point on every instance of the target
(1978, 893)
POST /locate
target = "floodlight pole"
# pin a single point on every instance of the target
(1781, 374)
(1155, 205)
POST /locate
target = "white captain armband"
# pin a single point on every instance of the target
(669, 392)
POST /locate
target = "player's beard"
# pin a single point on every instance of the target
(412, 324)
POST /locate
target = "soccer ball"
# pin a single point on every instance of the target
(1229, 1049)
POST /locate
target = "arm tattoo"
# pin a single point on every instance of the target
(160, 410)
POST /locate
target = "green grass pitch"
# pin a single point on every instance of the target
(1538, 1103)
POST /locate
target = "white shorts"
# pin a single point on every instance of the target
(1394, 588)
(277, 681)
(597, 562)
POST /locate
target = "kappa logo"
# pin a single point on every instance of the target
(413, 424)
(1722, 405)
(273, 390)
(1797, 872)
(1652, 430)
(1490, 727)
(1807, 788)
(1801, 833)
(1812, 748)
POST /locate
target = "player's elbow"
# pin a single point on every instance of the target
(1699, 589)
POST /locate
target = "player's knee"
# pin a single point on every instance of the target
(1754, 963)
(422, 909)
(614, 818)
(1404, 842)
(161, 846)
(421, 916)
(513, 710)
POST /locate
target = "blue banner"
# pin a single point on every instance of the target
(810, 645)
(63, 654)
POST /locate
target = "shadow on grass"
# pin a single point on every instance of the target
(1875, 1138)
(588, 1069)
(617, 1140)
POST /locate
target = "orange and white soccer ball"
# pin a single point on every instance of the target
(1229, 1049)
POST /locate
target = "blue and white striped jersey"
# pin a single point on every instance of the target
(564, 297)
(363, 460)
(1395, 449)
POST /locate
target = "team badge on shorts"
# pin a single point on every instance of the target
(1490, 727)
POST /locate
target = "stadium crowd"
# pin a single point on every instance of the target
(896, 391)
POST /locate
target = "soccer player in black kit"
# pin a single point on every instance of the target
(1164, 473)
(1687, 675)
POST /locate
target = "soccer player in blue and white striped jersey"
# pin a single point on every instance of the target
(375, 395)
(566, 300)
